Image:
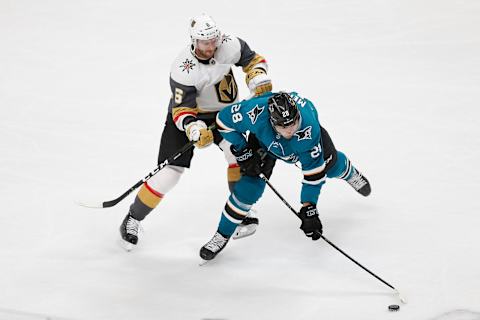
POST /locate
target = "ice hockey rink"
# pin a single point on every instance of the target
(83, 95)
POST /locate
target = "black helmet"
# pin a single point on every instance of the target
(283, 109)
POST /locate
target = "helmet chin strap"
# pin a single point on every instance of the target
(193, 49)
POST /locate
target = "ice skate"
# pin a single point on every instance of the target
(129, 232)
(213, 247)
(247, 227)
(359, 183)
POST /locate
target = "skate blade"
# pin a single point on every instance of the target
(125, 245)
(244, 231)
(203, 262)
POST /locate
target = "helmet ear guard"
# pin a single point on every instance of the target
(203, 27)
(283, 109)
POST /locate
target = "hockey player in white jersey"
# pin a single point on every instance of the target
(202, 83)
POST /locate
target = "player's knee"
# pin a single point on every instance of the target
(233, 173)
(233, 176)
(339, 167)
(153, 191)
(249, 189)
(146, 200)
(225, 146)
(166, 179)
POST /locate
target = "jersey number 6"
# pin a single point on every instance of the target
(178, 95)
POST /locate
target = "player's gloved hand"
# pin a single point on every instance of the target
(198, 131)
(258, 81)
(250, 161)
(311, 224)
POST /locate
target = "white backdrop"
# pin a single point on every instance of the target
(83, 96)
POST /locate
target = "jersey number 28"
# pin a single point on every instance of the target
(236, 116)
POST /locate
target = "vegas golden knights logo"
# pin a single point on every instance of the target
(227, 89)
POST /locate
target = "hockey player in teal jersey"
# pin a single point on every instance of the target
(279, 126)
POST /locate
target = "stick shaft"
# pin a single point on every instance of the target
(111, 203)
(262, 176)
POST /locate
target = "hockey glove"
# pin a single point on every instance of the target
(311, 224)
(250, 161)
(258, 81)
(197, 131)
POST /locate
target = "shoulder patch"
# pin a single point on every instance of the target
(229, 51)
(254, 113)
(305, 134)
(226, 38)
(187, 65)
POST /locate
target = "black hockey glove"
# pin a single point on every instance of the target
(311, 224)
(250, 161)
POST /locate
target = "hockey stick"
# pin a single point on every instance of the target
(402, 299)
(166, 162)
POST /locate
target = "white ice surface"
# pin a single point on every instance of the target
(83, 96)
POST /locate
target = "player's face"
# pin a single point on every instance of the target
(206, 48)
(288, 131)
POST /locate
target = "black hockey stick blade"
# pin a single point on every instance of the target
(111, 203)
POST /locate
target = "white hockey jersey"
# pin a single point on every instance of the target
(207, 86)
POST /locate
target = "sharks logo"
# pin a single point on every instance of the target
(254, 113)
(305, 134)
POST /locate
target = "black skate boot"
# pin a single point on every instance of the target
(213, 247)
(359, 183)
(129, 232)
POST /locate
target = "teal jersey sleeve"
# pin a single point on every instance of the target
(229, 127)
(235, 120)
(313, 170)
(308, 139)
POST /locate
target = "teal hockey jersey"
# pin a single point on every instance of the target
(305, 147)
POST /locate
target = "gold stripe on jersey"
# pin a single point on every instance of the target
(179, 111)
(256, 60)
(253, 73)
(148, 198)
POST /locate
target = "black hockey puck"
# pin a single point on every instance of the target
(393, 307)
